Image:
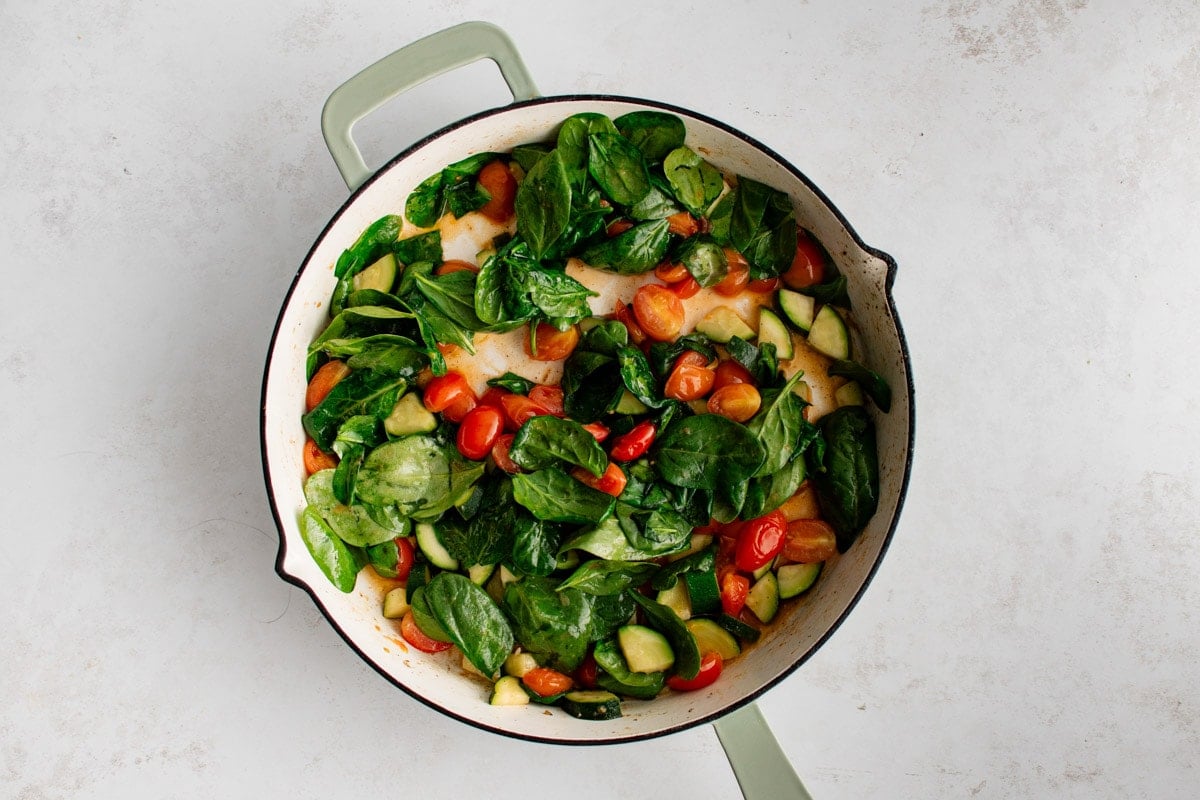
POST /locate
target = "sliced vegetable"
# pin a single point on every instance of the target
(591, 704)
(829, 334)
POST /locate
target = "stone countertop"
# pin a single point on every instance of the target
(1032, 166)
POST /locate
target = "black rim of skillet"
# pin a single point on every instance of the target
(904, 479)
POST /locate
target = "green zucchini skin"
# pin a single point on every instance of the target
(597, 705)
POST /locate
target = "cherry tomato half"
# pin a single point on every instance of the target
(585, 674)
(405, 556)
(417, 638)
(611, 482)
(323, 381)
(316, 459)
(683, 224)
(500, 454)
(498, 181)
(547, 682)
(448, 390)
(520, 409)
(633, 445)
(658, 311)
(809, 541)
(624, 315)
(549, 343)
(808, 265)
(730, 371)
(671, 273)
(617, 227)
(598, 430)
(688, 287)
(734, 588)
(711, 665)
(735, 280)
(687, 382)
(763, 285)
(760, 540)
(737, 401)
(549, 398)
(479, 430)
(454, 265)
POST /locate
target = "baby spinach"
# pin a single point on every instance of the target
(846, 473)
(601, 577)
(762, 227)
(638, 377)
(592, 385)
(833, 291)
(871, 382)
(572, 142)
(526, 155)
(360, 393)
(606, 540)
(453, 294)
(662, 355)
(657, 531)
(767, 492)
(453, 189)
(631, 252)
(553, 495)
(618, 168)
(418, 474)
(707, 451)
(370, 245)
(701, 561)
(535, 544)
(778, 425)
(471, 619)
(668, 623)
(355, 436)
(558, 296)
(586, 224)
(512, 382)
(500, 296)
(543, 204)
(424, 205)
(422, 247)
(384, 558)
(704, 259)
(337, 560)
(353, 524)
(553, 625)
(655, 133)
(760, 361)
(397, 356)
(546, 440)
(696, 183)
(607, 337)
(423, 614)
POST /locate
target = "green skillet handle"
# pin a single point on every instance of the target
(406, 68)
(762, 770)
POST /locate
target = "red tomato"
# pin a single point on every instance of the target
(498, 181)
(448, 390)
(500, 454)
(634, 444)
(417, 638)
(691, 358)
(323, 381)
(458, 410)
(611, 482)
(316, 459)
(549, 398)
(711, 665)
(494, 396)
(551, 343)
(547, 682)
(729, 372)
(624, 315)
(809, 541)
(688, 287)
(734, 588)
(617, 227)
(737, 401)
(598, 431)
(405, 556)
(687, 382)
(658, 311)
(808, 265)
(671, 273)
(683, 224)
(763, 285)
(735, 279)
(585, 675)
(760, 540)
(454, 265)
(520, 408)
(478, 432)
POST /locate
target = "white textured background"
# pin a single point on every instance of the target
(1034, 167)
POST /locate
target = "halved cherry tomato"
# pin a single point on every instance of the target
(454, 265)
(546, 682)
(760, 540)
(730, 371)
(585, 674)
(735, 279)
(405, 556)
(737, 401)
(734, 588)
(479, 431)
(711, 665)
(624, 315)
(494, 396)
(634, 444)
(458, 410)
(599, 431)
(808, 265)
(617, 227)
(500, 454)
(611, 482)
(809, 541)
(671, 273)
(549, 343)
(498, 181)
(688, 382)
(323, 381)
(549, 398)
(316, 459)
(658, 311)
(683, 224)
(445, 391)
(417, 638)
(692, 358)
(763, 285)
(520, 408)
(688, 287)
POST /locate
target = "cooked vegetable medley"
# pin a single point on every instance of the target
(620, 508)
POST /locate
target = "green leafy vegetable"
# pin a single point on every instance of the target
(704, 259)
(631, 252)
(546, 440)
(553, 495)
(553, 625)
(338, 561)
(359, 393)
(871, 382)
(512, 382)
(696, 182)
(618, 678)
(543, 204)
(687, 654)
(602, 577)
(369, 246)
(618, 168)
(707, 451)
(655, 133)
(418, 474)
(846, 474)
(762, 227)
(471, 619)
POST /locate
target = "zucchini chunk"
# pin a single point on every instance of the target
(379, 276)
(432, 547)
(763, 598)
(711, 637)
(796, 579)
(645, 649)
(722, 324)
(798, 308)
(771, 329)
(508, 692)
(829, 334)
(594, 705)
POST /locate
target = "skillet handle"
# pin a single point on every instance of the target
(762, 770)
(406, 68)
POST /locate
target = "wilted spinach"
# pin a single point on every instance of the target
(846, 473)
(471, 620)
(552, 495)
(544, 440)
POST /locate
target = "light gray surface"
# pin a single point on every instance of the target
(1031, 165)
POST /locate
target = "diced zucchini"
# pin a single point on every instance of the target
(629, 404)
(395, 603)
(795, 579)
(594, 705)
(771, 329)
(849, 394)
(517, 664)
(409, 415)
(802, 390)
(743, 631)
(508, 692)
(703, 591)
(432, 547)
(676, 598)
(712, 637)
(798, 308)
(379, 276)
(645, 649)
(763, 598)
(479, 573)
(763, 570)
(829, 334)
(722, 324)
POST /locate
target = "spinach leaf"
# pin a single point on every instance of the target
(354, 437)
(668, 623)
(606, 540)
(535, 545)
(591, 384)
(529, 154)
(559, 296)
(422, 247)
(553, 625)
(437, 328)
(384, 558)
(638, 377)
(720, 217)
(704, 259)
(696, 182)
(501, 298)
(480, 540)
(423, 614)
(546, 440)
(337, 560)
(761, 361)
(767, 492)
(389, 517)
(418, 474)
(573, 142)
(359, 393)
(707, 451)
(601, 577)
(762, 227)
(846, 473)
(589, 211)
(657, 204)
(662, 355)
(609, 612)
(453, 294)
(352, 524)
(701, 561)
(655, 133)
(384, 354)
(834, 292)
(608, 337)
(631, 252)
(543, 204)
(778, 425)
(453, 189)
(513, 383)
(871, 382)
(656, 531)
(369, 246)
(424, 205)
(471, 619)
(616, 676)
(362, 321)
(618, 168)
(553, 495)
